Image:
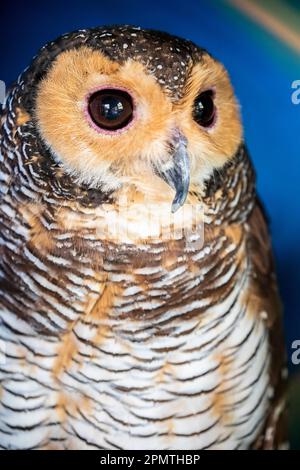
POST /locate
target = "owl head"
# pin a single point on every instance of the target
(126, 107)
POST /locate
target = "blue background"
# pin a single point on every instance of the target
(262, 70)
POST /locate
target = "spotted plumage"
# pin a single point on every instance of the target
(129, 321)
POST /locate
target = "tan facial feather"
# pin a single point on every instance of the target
(60, 112)
(210, 147)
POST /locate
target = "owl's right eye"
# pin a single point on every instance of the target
(110, 109)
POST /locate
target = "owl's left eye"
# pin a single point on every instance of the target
(110, 109)
(204, 109)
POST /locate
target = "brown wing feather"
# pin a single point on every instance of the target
(264, 292)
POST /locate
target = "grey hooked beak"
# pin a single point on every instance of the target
(177, 172)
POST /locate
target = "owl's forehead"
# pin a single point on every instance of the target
(167, 57)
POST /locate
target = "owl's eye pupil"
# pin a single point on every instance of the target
(204, 109)
(110, 109)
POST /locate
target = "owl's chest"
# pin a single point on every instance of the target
(153, 357)
(191, 386)
(137, 345)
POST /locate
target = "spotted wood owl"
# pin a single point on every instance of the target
(139, 305)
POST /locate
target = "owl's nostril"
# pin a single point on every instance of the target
(177, 139)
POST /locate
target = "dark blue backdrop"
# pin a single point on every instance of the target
(262, 70)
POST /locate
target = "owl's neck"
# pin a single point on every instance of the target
(229, 194)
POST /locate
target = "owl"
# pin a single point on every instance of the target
(138, 300)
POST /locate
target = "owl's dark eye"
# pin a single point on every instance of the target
(110, 109)
(204, 109)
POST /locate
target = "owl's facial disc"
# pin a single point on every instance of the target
(115, 125)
